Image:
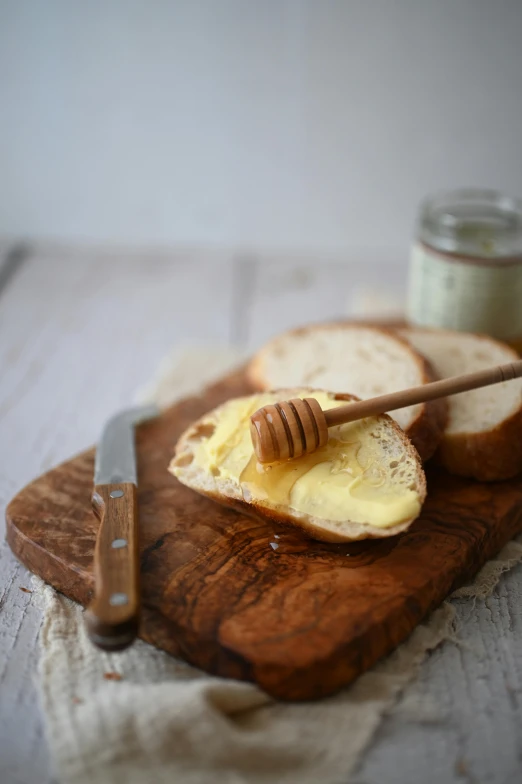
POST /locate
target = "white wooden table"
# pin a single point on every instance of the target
(80, 332)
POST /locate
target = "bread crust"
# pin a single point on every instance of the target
(303, 522)
(490, 455)
(425, 431)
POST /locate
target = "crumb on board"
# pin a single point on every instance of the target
(25, 590)
(112, 676)
(76, 700)
(461, 769)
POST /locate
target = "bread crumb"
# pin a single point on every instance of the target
(76, 700)
(461, 768)
(25, 590)
(112, 676)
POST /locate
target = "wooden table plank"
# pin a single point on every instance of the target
(468, 696)
(79, 334)
(469, 700)
(285, 294)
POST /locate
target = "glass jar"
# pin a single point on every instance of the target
(466, 264)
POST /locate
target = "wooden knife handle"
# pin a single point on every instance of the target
(112, 618)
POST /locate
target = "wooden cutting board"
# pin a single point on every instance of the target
(252, 600)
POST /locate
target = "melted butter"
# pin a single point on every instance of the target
(276, 481)
(344, 480)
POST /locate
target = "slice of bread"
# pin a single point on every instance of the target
(483, 438)
(362, 360)
(367, 482)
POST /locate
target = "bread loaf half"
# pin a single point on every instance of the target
(483, 437)
(358, 359)
(367, 482)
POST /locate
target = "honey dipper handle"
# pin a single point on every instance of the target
(409, 397)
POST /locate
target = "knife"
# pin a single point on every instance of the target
(112, 618)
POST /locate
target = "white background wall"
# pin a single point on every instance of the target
(306, 124)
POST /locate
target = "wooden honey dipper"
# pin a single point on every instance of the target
(293, 428)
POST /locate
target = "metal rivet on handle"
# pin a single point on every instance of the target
(118, 599)
(116, 493)
(117, 543)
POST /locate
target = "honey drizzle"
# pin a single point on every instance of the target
(276, 481)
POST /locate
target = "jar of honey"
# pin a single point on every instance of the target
(466, 265)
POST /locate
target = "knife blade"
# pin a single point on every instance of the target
(112, 618)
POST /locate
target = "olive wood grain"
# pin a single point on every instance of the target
(274, 440)
(250, 599)
(112, 617)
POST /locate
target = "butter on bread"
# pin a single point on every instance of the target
(367, 482)
(362, 359)
(483, 437)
